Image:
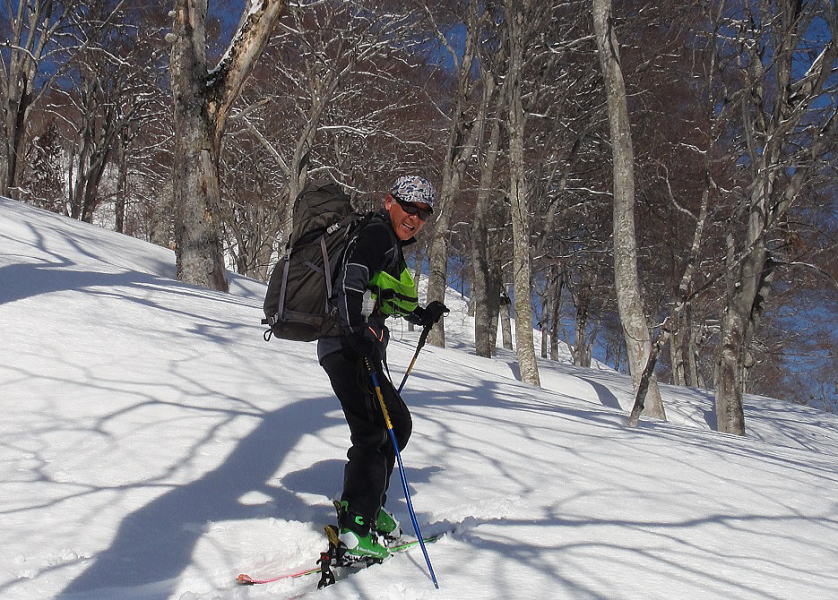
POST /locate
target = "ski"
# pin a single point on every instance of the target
(244, 579)
(398, 547)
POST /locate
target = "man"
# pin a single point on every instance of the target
(372, 284)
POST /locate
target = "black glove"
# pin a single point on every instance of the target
(369, 342)
(431, 314)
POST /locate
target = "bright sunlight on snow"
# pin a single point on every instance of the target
(154, 446)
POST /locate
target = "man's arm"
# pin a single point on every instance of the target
(367, 253)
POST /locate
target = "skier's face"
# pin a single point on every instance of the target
(407, 218)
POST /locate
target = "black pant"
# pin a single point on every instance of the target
(371, 456)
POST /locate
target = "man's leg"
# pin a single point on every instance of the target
(365, 474)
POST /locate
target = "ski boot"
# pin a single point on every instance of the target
(387, 526)
(356, 536)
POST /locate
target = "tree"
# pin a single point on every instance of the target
(203, 99)
(43, 181)
(522, 16)
(334, 70)
(489, 211)
(31, 50)
(627, 285)
(111, 98)
(464, 129)
(779, 71)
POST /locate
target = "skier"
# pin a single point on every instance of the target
(372, 284)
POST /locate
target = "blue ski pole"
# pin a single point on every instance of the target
(389, 424)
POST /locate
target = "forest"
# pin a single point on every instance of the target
(651, 182)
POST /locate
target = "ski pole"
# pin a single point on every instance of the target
(389, 424)
(422, 338)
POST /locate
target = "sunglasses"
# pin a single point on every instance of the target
(411, 209)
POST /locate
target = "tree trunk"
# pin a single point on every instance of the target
(693, 371)
(202, 102)
(121, 184)
(730, 365)
(199, 250)
(163, 217)
(417, 273)
(627, 284)
(545, 336)
(494, 312)
(18, 94)
(557, 285)
(582, 349)
(677, 356)
(505, 321)
(462, 139)
(16, 121)
(519, 198)
(485, 279)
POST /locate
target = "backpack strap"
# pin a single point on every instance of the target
(326, 273)
(281, 304)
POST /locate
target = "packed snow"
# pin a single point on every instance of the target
(154, 446)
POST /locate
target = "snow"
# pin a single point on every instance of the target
(154, 446)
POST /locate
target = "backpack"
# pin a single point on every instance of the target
(297, 304)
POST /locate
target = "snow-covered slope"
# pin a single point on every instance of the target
(154, 446)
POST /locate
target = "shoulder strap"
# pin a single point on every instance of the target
(394, 241)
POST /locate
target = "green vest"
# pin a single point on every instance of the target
(395, 297)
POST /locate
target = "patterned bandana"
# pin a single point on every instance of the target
(412, 188)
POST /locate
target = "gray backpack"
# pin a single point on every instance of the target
(297, 305)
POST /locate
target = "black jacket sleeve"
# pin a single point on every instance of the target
(368, 252)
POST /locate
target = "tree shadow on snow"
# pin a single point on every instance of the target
(155, 543)
(605, 395)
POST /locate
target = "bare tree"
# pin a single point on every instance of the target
(111, 98)
(488, 212)
(203, 98)
(464, 129)
(780, 74)
(522, 17)
(30, 51)
(43, 179)
(629, 299)
(334, 69)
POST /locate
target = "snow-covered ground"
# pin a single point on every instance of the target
(154, 446)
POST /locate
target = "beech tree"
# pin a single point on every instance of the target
(627, 285)
(523, 17)
(464, 129)
(203, 98)
(489, 210)
(777, 72)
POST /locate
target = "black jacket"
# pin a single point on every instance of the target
(373, 248)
